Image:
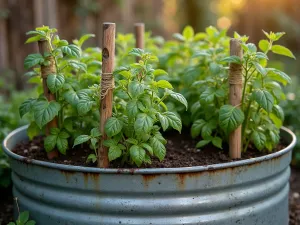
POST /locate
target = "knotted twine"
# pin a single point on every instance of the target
(107, 83)
(235, 74)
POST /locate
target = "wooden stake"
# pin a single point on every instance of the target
(45, 71)
(107, 85)
(139, 36)
(235, 97)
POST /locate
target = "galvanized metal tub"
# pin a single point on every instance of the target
(248, 192)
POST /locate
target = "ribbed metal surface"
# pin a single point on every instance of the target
(248, 192)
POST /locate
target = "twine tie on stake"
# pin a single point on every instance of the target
(235, 74)
(107, 83)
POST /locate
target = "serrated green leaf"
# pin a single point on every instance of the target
(55, 82)
(159, 72)
(132, 108)
(279, 76)
(62, 144)
(217, 141)
(33, 60)
(84, 38)
(136, 52)
(45, 111)
(263, 45)
(33, 130)
(71, 50)
(197, 127)
(163, 84)
(147, 147)
(23, 217)
(33, 39)
(114, 152)
(125, 74)
(159, 150)
(202, 143)
(264, 99)
(259, 139)
(50, 142)
(136, 88)
(26, 106)
(274, 136)
(137, 154)
(188, 33)
(278, 111)
(81, 139)
(84, 106)
(173, 120)
(95, 132)
(251, 47)
(208, 95)
(143, 123)
(163, 121)
(78, 65)
(132, 141)
(281, 50)
(92, 157)
(230, 118)
(260, 69)
(110, 142)
(113, 126)
(179, 97)
(232, 59)
(261, 55)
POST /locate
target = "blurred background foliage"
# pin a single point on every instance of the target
(161, 17)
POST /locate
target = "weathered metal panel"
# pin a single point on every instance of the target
(247, 192)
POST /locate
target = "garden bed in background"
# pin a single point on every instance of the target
(6, 201)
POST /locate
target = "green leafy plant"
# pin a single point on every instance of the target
(139, 112)
(260, 114)
(23, 218)
(75, 86)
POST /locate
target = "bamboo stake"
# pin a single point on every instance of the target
(139, 36)
(107, 86)
(235, 97)
(45, 71)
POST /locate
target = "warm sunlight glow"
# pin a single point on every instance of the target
(224, 22)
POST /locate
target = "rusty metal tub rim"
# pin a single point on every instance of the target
(146, 170)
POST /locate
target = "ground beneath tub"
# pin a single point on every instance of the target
(181, 152)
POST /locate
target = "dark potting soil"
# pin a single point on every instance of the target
(6, 201)
(181, 152)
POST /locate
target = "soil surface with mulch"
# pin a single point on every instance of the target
(181, 152)
(6, 201)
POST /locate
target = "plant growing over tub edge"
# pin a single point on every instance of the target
(260, 114)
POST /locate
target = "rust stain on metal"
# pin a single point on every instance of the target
(94, 177)
(67, 174)
(147, 178)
